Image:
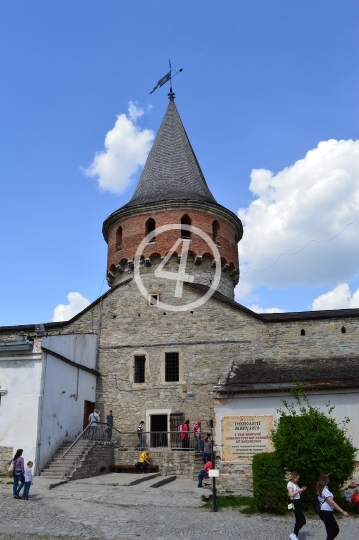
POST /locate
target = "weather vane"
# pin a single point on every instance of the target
(168, 77)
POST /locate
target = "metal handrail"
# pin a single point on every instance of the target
(75, 441)
(87, 429)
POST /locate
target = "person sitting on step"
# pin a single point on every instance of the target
(143, 462)
(207, 466)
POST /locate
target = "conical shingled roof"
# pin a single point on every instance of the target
(172, 171)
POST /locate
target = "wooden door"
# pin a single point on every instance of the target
(89, 407)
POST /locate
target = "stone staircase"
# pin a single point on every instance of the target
(54, 468)
(198, 465)
(59, 465)
(85, 459)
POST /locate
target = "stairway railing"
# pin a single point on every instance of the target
(99, 432)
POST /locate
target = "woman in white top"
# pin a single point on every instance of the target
(294, 492)
(327, 505)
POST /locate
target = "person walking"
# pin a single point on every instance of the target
(94, 420)
(207, 466)
(140, 434)
(28, 480)
(109, 419)
(184, 435)
(207, 449)
(294, 492)
(197, 435)
(327, 505)
(18, 473)
(143, 462)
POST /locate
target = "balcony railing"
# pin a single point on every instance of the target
(170, 440)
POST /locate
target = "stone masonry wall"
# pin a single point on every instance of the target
(97, 460)
(203, 273)
(5, 454)
(178, 463)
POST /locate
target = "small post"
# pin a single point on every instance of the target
(214, 489)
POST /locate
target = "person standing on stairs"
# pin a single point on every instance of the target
(197, 435)
(94, 419)
(207, 449)
(140, 435)
(109, 425)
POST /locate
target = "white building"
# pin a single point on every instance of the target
(47, 386)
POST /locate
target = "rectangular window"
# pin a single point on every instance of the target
(172, 366)
(153, 299)
(139, 371)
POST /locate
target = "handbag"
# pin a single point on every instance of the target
(11, 467)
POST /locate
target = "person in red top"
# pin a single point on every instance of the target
(184, 435)
(207, 466)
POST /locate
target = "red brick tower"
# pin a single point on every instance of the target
(173, 190)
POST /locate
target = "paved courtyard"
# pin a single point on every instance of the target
(107, 508)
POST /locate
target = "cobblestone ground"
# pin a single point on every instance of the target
(105, 508)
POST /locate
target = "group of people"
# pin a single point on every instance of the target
(184, 430)
(326, 505)
(22, 477)
(94, 425)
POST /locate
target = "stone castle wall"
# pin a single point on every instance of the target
(178, 463)
(6, 453)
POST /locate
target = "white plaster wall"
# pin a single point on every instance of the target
(346, 405)
(65, 388)
(19, 406)
(80, 348)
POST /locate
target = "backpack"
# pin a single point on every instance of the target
(180, 428)
(316, 504)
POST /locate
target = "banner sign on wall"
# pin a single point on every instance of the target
(245, 436)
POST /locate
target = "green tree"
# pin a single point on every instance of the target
(269, 485)
(310, 441)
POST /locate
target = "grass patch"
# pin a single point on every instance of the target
(246, 505)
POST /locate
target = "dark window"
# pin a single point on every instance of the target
(140, 362)
(186, 220)
(150, 227)
(302, 332)
(119, 239)
(153, 299)
(172, 367)
(344, 330)
(215, 232)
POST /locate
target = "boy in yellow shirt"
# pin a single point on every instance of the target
(143, 462)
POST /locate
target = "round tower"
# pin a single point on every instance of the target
(173, 191)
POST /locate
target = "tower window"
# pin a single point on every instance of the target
(344, 330)
(302, 332)
(139, 369)
(119, 238)
(172, 366)
(186, 220)
(153, 299)
(150, 227)
(215, 232)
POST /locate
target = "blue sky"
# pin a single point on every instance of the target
(263, 84)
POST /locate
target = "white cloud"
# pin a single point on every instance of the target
(76, 304)
(126, 150)
(339, 298)
(313, 199)
(258, 309)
